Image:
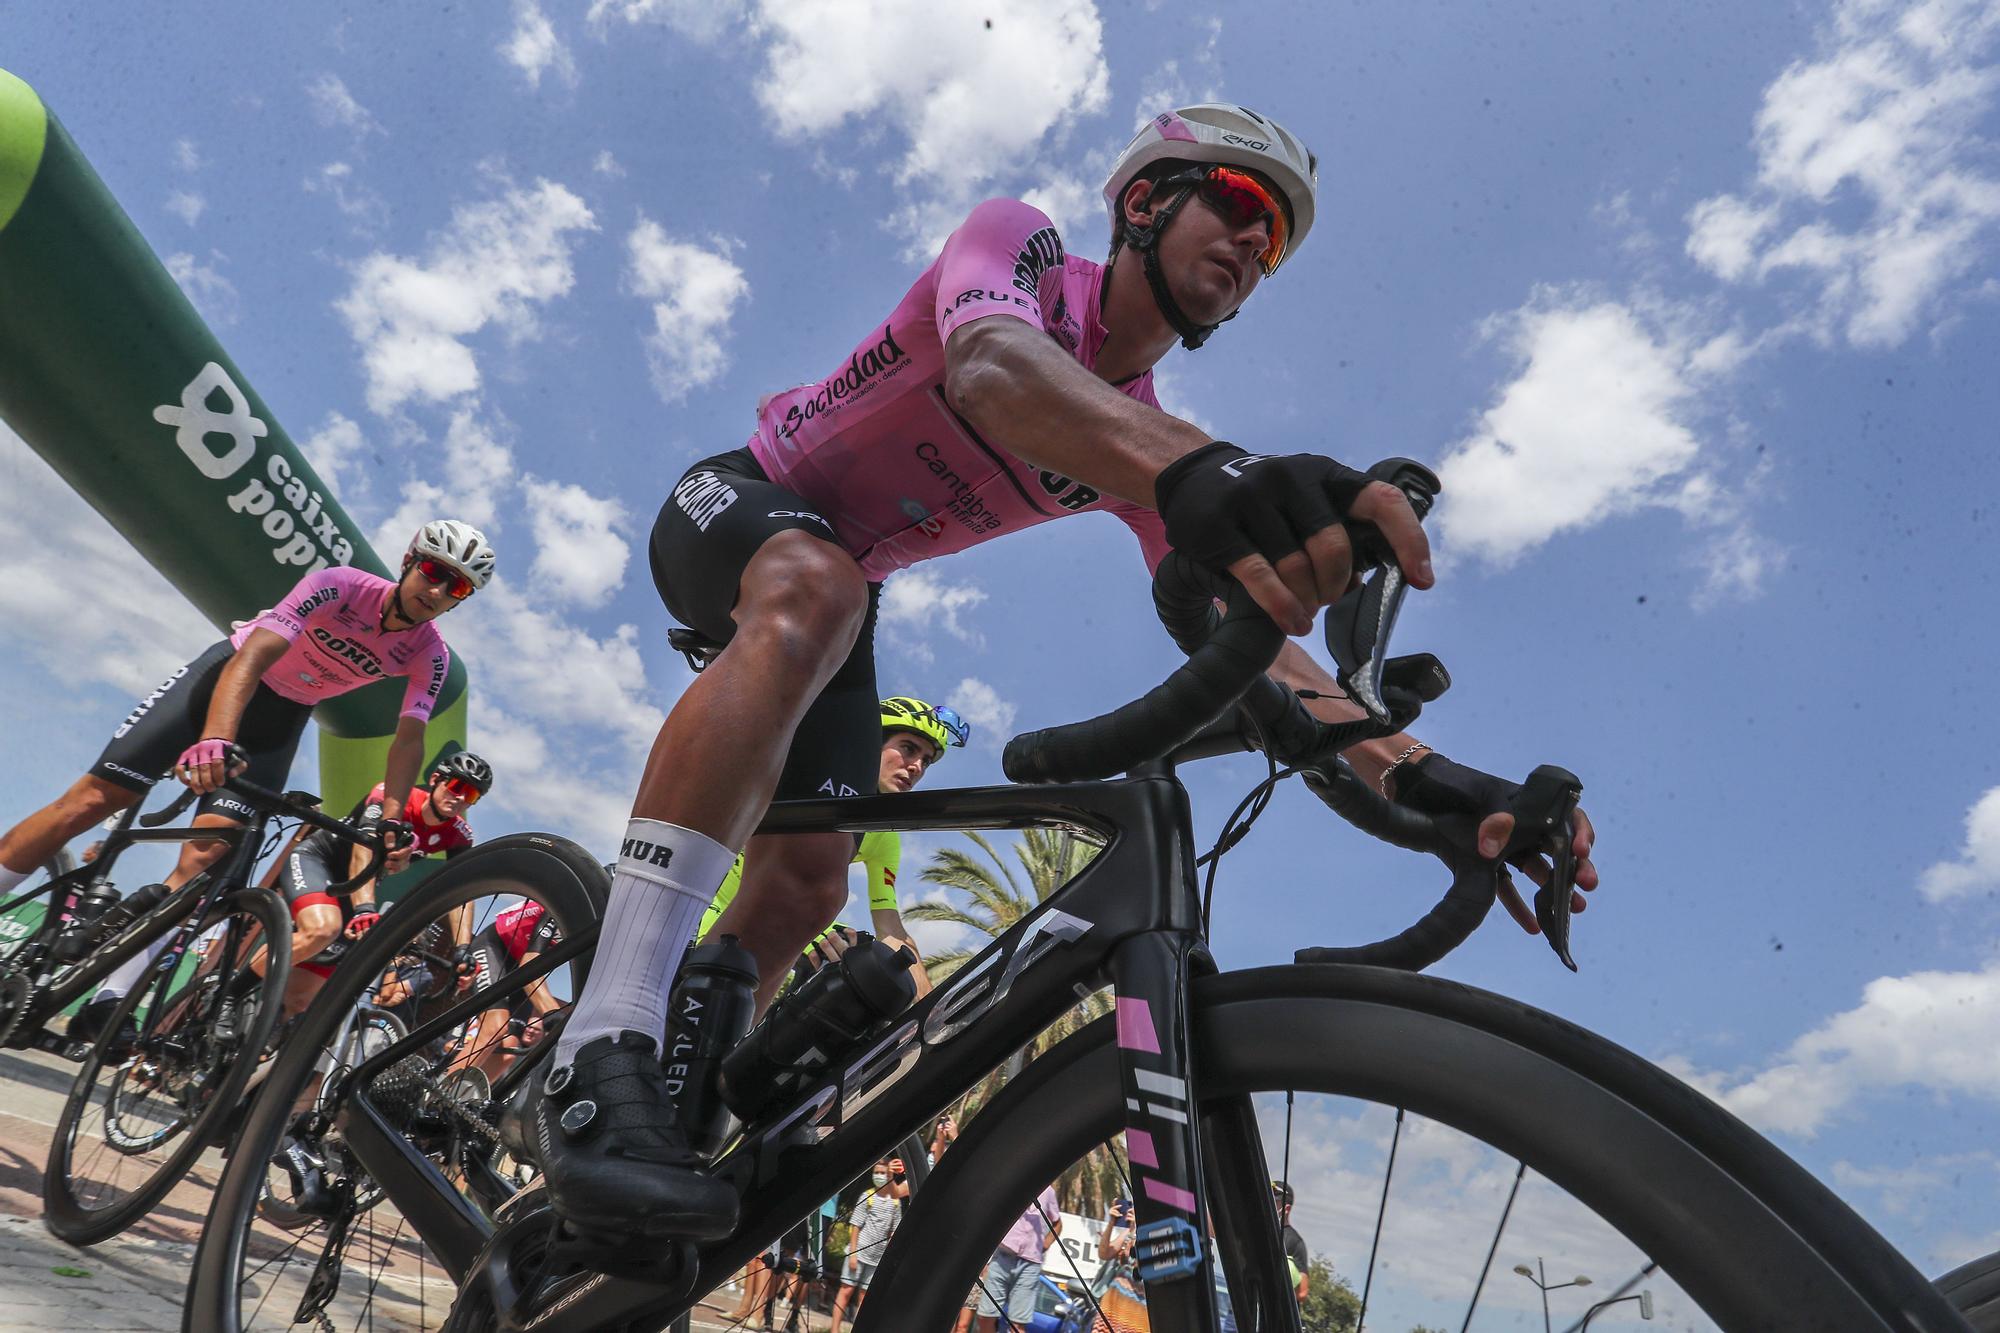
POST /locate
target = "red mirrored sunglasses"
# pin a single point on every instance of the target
(1242, 199)
(463, 790)
(457, 586)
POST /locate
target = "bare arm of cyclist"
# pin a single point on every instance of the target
(233, 690)
(1011, 380)
(406, 756)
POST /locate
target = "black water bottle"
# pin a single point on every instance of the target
(713, 1003)
(828, 1015)
(131, 909)
(78, 934)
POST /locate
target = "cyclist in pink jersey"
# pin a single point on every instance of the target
(334, 631)
(1012, 384)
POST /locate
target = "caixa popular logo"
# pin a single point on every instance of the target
(222, 444)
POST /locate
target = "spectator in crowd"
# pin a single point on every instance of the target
(1008, 1286)
(943, 1136)
(871, 1224)
(1295, 1244)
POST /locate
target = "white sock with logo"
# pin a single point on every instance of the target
(666, 877)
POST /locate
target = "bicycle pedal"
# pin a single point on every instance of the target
(1169, 1248)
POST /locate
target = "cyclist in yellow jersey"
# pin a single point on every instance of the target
(915, 736)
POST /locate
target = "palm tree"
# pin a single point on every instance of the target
(989, 899)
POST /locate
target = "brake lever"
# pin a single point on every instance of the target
(1359, 625)
(1543, 811)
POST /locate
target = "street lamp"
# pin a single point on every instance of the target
(1542, 1281)
(1645, 1299)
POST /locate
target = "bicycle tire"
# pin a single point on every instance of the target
(1974, 1291)
(1750, 1235)
(561, 876)
(66, 1213)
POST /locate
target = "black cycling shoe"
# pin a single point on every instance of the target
(610, 1147)
(87, 1025)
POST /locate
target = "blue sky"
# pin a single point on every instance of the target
(1694, 309)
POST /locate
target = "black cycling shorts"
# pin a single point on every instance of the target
(491, 962)
(174, 717)
(705, 536)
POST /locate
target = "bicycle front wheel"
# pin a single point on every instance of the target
(132, 1128)
(1338, 1065)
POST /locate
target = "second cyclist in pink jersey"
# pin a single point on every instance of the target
(335, 631)
(1012, 384)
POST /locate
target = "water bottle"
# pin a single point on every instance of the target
(832, 1013)
(130, 910)
(713, 1003)
(78, 934)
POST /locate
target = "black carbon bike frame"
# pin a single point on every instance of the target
(1130, 919)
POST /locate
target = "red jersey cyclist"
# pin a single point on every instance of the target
(1012, 384)
(335, 631)
(325, 924)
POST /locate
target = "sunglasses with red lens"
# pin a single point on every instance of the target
(463, 790)
(1241, 199)
(457, 586)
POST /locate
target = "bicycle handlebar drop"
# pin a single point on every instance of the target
(300, 805)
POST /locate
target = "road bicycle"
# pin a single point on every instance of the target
(175, 1055)
(1181, 1078)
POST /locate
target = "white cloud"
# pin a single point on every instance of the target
(1169, 85)
(214, 295)
(695, 292)
(579, 554)
(918, 605)
(1929, 1030)
(1869, 183)
(1977, 868)
(358, 203)
(854, 73)
(604, 164)
(186, 205)
(703, 20)
(982, 706)
(478, 466)
(555, 673)
(132, 628)
(186, 156)
(546, 784)
(335, 107)
(494, 264)
(534, 48)
(333, 450)
(1593, 424)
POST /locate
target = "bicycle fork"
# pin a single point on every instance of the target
(1166, 1139)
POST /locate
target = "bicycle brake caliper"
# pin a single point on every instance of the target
(1168, 1248)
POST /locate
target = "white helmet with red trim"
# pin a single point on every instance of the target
(457, 544)
(1223, 133)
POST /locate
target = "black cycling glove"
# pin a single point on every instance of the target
(1221, 503)
(1435, 785)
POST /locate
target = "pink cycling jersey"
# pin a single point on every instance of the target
(901, 476)
(518, 927)
(333, 620)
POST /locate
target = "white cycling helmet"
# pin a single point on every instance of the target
(457, 544)
(1228, 134)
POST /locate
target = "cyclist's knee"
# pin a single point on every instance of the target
(807, 594)
(91, 800)
(801, 880)
(313, 928)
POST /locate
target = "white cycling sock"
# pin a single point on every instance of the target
(665, 879)
(11, 880)
(132, 971)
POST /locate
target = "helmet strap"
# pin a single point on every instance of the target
(395, 602)
(1146, 240)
